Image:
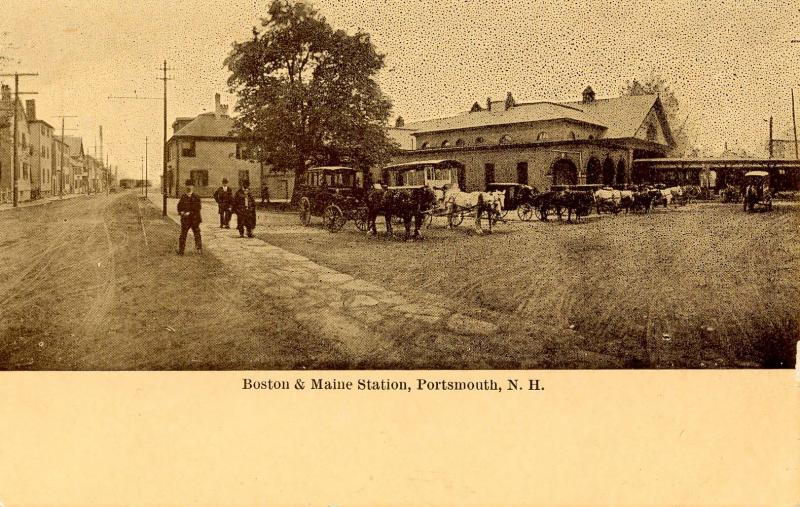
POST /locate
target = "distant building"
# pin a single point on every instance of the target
(40, 152)
(544, 143)
(205, 150)
(76, 178)
(59, 161)
(784, 149)
(24, 149)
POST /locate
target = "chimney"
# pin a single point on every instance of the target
(400, 122)
(588, 95)
(30, 109)
(5, 90)
(510, 101)
(488, 103)
(219, 108)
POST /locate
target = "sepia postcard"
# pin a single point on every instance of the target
(385, 252)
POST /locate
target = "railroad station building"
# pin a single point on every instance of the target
(593, 140)
(205, 150)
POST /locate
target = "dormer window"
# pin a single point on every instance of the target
(424, 146)
(445, 144)
(479, 140)
(651, 132)
(459, 143)
(572, 135)
(541, 136)
(505, 139)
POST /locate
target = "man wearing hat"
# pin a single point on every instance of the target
(224, 198)
(189, 210)
(245, 206)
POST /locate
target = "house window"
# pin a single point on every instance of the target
(459, 142)
(24, 170)
(445, 144)
(488, 174)
(199, 177)
(238, 151)
(505, 139)
(244, 175)
(479, 140)
(522, 173)
(188, 149)
(541, 136)
(44, 152)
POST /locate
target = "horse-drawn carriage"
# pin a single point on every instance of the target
(517, 196)
(577, 199)
(336, 194)
(757, 190)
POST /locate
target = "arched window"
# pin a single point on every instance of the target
(424, 146)
(445, 144)
(651, 132)
(572, 135)
(479, 140)
(541, 136)
(591, 137)
(505, 139)
(459, 142)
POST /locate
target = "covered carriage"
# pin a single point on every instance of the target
(336, 194)
(758, 190)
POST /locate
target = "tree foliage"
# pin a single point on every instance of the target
(307, 93)
(655, 84)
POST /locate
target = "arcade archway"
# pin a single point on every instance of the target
(565, 172)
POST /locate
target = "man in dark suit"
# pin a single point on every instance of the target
(189, 210)
(245, 207)
(224, 198)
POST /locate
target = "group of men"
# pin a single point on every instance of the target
(241, 202)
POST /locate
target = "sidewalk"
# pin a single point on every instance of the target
(39, 202)
(344, 308)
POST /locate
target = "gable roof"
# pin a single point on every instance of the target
(499, 115)
(207, 125)
(620, 117)
(75, 145)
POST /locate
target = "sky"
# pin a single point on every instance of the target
(730, 63)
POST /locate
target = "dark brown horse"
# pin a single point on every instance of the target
(404, 203)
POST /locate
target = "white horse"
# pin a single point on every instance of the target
(457, 201)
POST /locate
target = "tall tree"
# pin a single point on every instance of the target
(307, 93)
(655, 84)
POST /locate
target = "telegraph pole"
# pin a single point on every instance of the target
(770, 137)
(794, 127)
(164, 161)
(63, 145)
(17, 93)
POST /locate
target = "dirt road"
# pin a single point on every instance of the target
(93, 283)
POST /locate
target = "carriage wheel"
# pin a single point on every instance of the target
(525, 212)
(305, 211)
(360, 220)
(541, 213)
(333, 218)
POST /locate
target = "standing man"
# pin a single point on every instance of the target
(224, 197)
(245, 207)
(265, 194)
(189, 210)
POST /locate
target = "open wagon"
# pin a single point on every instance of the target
(336, 194)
